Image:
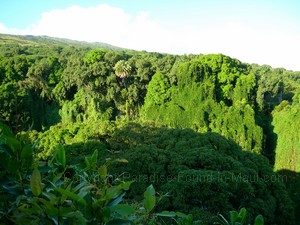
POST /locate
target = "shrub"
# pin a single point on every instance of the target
(204, 173)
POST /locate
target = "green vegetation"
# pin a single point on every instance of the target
(205, 173)
(30, 40)
(287, 161)
(53, 192)
(214, 133)
(238, 218)
(220, 93)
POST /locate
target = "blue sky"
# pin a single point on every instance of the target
(263, 32)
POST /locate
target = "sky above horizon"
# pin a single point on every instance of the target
(256, 31)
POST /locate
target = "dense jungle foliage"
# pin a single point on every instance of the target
(214, 133)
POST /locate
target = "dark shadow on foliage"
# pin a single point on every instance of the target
(270, 137)
(76, 152)
(292, 183)
(204, 173)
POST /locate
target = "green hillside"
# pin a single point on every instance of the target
(215, 133)
(30, 40)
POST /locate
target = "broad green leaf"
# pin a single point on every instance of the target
(61, 155)
(85, 190)
(149, 198)
(94, 157)
(233, 216)
(242, 215)
(103, 171)
(125, 185)
(53, 198)
(36, 182)
(65, 197)
(13, 143)
(27, 155)
(5, 130)
(113, 192)
(91, 162)
(57, 178)
(259, 220)
(27, 152)
(87, 162)
(71, 195)
(123, 210)
(117, 200)
(80, 186)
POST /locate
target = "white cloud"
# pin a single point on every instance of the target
(103, 23)
(11, 30)
(3, 29)
(248, 43)
(7, 30)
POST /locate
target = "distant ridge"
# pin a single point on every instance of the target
(46, 40)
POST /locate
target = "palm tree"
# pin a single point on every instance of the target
(122, 69)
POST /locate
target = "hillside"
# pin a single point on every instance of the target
(30, 40)
(169, 115)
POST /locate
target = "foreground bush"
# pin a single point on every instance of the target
(53, 192)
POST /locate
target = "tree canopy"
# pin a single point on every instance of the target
(194, 116)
